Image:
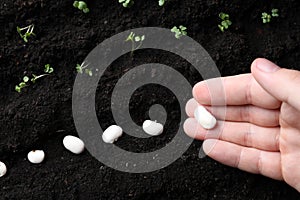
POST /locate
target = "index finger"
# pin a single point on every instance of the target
(248, 159)
(238, 90)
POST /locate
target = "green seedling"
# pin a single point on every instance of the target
(83, 68)
(179, 31)
(267, 17)
(81, 5)
(134, 40)
(29, 32)
(126, 3)
(161, 2)
(275, 12)
(23, 84)
(48, 70)
(225, 21)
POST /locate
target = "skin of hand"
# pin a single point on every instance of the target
(260, 132)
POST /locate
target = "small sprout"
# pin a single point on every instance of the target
(161, 2)
(179, 31)
(35, 77)
(19, 87)
(23, 84)
(28, 33)
(79, 68)
(82, 67)
(89, 72)
(225, 21)
(135, 39)
(267, 17)
(48, 69)
(25, 79)
(126, 3)
(275, 12)
(81, 5)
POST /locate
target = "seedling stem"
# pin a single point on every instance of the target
(28, 33)
(134, 39)
(48, 70)
(83, 67)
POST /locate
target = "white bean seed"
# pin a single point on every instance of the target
(153, 128)
(112, 133)
(204, 118)
(36, 156)
(3, 169)
(73, 144)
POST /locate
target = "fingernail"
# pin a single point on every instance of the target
(208, 145)
(266, 66)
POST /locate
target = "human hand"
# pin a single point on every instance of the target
(260, 132)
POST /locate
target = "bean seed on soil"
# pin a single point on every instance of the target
(153, 128)
(73, 144)
(3, 169)
(36, 156)
(112, 133)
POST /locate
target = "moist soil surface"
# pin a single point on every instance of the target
(41, 115)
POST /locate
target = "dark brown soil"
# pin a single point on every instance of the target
(41, 115)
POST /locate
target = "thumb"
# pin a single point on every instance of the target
(283, 84)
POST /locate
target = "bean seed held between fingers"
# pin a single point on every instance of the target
(205, 118)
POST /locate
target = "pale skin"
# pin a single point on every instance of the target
(260, 132)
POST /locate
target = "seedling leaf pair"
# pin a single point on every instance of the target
(225, 21)
(179, 32)
(275, 12)
(126, 3)
(81, 5)
(161, 2)
(48, 69)
(83, 68)
(267, 17)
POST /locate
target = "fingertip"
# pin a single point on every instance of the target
(187, 127)
(193, 129)
(263, 65)
(190, 107)
(208, 145)
(201, 93)
(195, 89)
(254, 64)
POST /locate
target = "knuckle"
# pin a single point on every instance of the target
(248, 136)
(259, 164)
